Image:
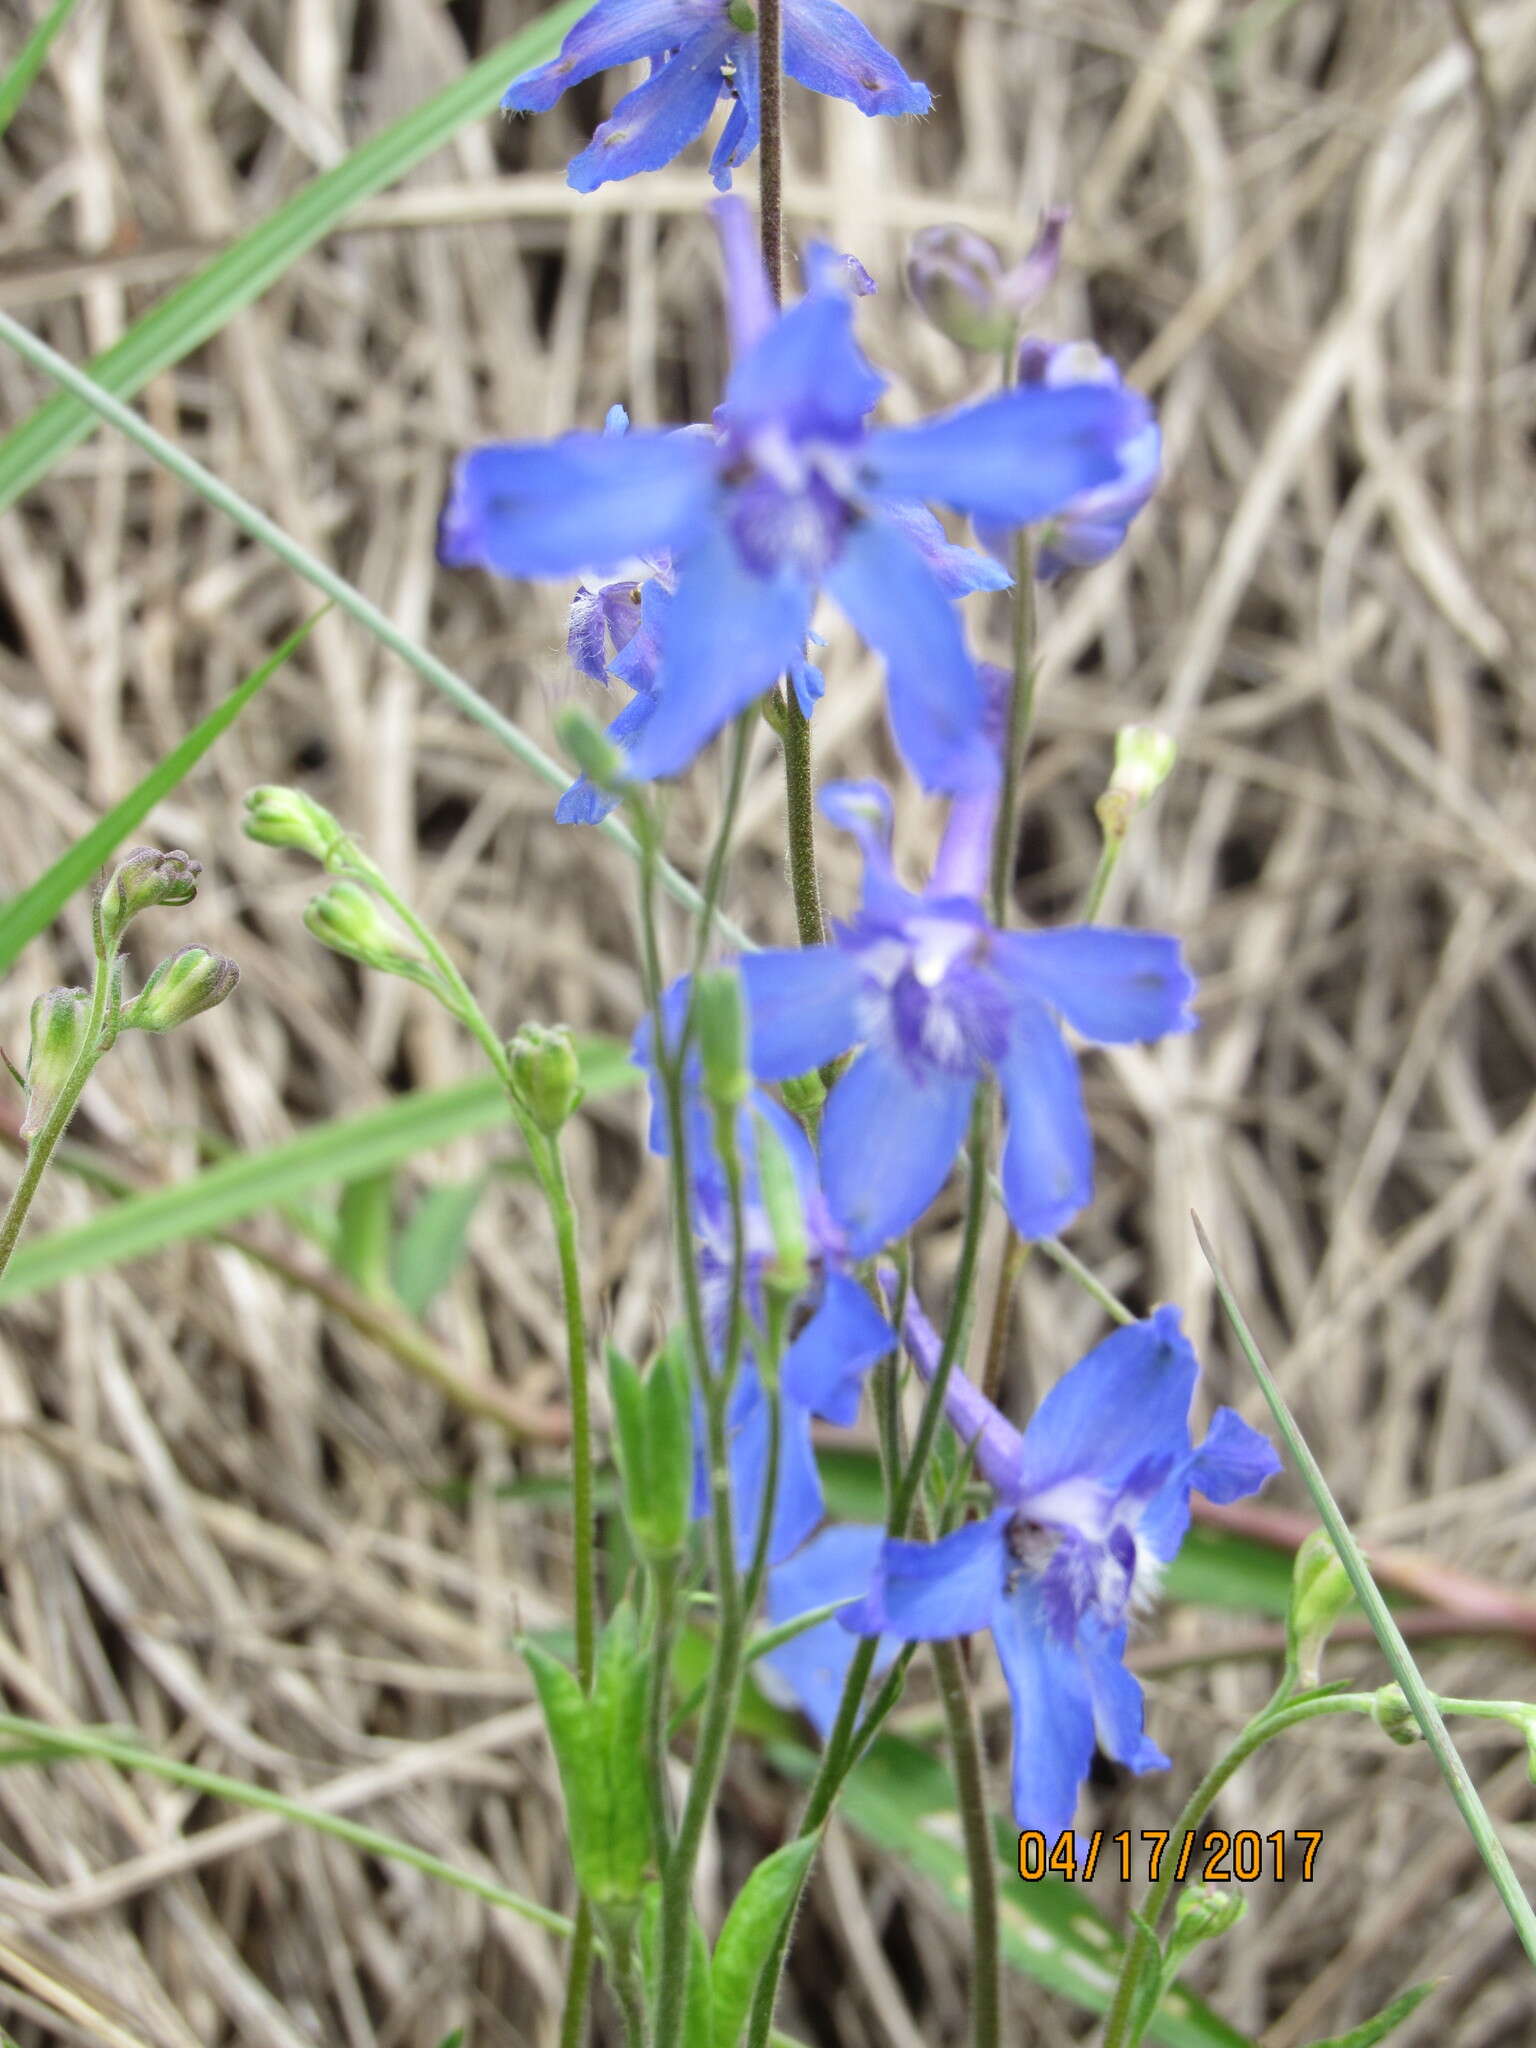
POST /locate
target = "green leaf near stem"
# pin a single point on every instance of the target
(747, 1938)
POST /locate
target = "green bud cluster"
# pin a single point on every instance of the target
(278, 816)
(346, 918)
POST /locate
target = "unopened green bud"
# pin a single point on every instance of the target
(1394, 1717)
(346, 918)
(181, 988)
(1320, 1593)
(780, 1194)
(720, 1014)
(546, 1075)
(653, 1445)
(740, 15)
(1144, 759)
(590, 748)
(277, 816)
(1202, 1915)
(59, 1023)
(142, 879)
(804, 1096)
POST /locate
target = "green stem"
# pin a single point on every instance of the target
(578, 1980)
(562, 1213)
(41, 1149)
(1273, 1719)
(663, 1584)
(980, 1849)
(800, 808)
(1109, 860)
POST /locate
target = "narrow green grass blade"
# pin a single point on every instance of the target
(1396, 1651)
(24, 916)
(459, 693)
(17, 82)
(62, 1743)
(341, 1150)
(203, 304)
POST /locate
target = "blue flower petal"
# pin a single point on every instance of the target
(1126, 1402)
(659, 119)
(1235, 1460)
(806, 376)
(1011, 459)
(888, 1140)
(1118, 1707)
(936, 704)
(813, 1666)
(1053, 1723)
(739, 136)
(729, 635)
(797, 1501)
(956, 570)
(1047, 1169)
(612, 32)
(928, 1592)
(1110, 985)
(809, 685)
(803, 1003)
(828, 50)
(824, 1368)
(749, 305)
(552, 508)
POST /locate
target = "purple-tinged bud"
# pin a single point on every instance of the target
(956, 277)
(546, 1075)
(59, 1023)
(181, 988)
(142, 879)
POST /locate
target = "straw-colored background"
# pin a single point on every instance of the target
(1305, 226)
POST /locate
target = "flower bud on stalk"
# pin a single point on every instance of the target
(346, 918)
(59, 1022)
(144, 878)
(1144, 759)
(1320, 1594)
(546, 1075)
(958, 279)
(181, 988)
(277, 816)
(721, 1013)
(591, 749)
(1395, 1718)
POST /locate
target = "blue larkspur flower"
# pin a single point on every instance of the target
(702, 51)
(791, 493)
(936, 998)
(1091, 526)
(1092, 1504)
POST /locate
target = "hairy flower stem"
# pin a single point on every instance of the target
(663, 1585)
(1129, 2016)
(578, 1980)
(793, 726)
(980, 1849)
(41, 1149)
(562, 1213)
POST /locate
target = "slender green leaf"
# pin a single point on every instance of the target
(24, 916)
(360, 1242)
(430, 1249)
(17, 82)
(243, 271)
(1426, 1710)
(750, 1931)
(269, 535)
(344, 1149)
(1369, 2032)
(129, 1756)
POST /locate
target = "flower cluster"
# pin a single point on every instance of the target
(700, 555)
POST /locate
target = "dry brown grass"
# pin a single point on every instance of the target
(1307, 224)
